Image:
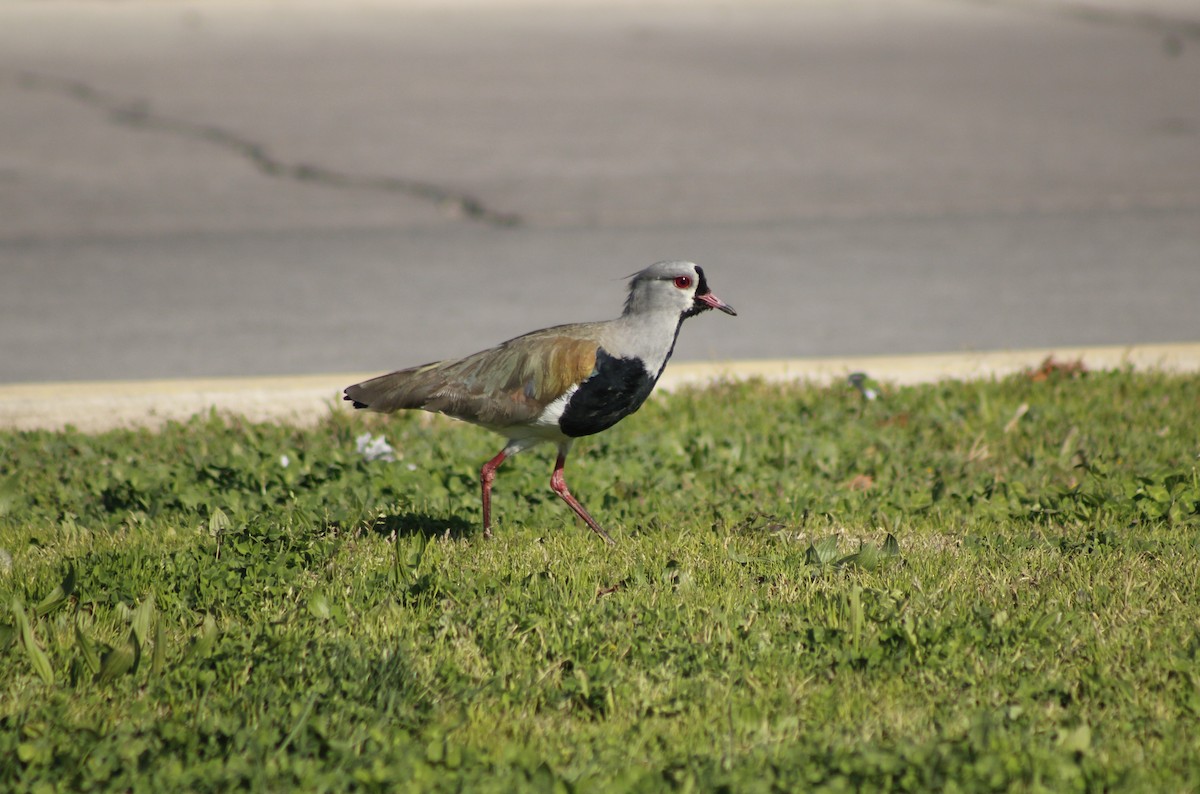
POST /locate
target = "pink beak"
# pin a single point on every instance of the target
(714, 302)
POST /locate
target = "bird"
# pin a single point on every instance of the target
(556, 384)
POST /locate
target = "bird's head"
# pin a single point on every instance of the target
(673, 285)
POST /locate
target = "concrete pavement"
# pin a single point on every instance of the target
(201, 189)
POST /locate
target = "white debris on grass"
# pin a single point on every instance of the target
(374, 448)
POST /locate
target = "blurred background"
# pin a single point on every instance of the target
(254, 188)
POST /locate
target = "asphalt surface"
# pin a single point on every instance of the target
(193, 189)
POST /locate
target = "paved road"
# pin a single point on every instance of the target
(243, 188)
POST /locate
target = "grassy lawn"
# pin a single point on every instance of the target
(982, 586)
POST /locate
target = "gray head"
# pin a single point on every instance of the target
(672, 286)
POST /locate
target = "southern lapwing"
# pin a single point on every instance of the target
(559, 383)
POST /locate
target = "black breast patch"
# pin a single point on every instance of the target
(616, 388)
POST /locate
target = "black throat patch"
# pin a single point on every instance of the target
(701, 289)
(616, 388)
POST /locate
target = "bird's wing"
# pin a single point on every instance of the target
(505, 385)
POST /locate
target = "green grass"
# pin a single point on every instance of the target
(982, 586)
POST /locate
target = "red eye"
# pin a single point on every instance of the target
(683, 282)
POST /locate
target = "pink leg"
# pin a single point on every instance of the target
(559, 483)
(486, 475)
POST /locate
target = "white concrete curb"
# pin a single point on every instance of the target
(93, 407)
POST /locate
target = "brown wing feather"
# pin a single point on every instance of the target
(505, 385)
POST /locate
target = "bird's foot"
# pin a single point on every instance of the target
(599, 530)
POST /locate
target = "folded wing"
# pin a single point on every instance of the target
(505, 385)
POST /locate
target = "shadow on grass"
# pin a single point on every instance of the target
(410, 524)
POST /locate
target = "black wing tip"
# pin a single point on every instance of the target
(355, 402)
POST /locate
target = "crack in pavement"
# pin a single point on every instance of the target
(138, 114)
